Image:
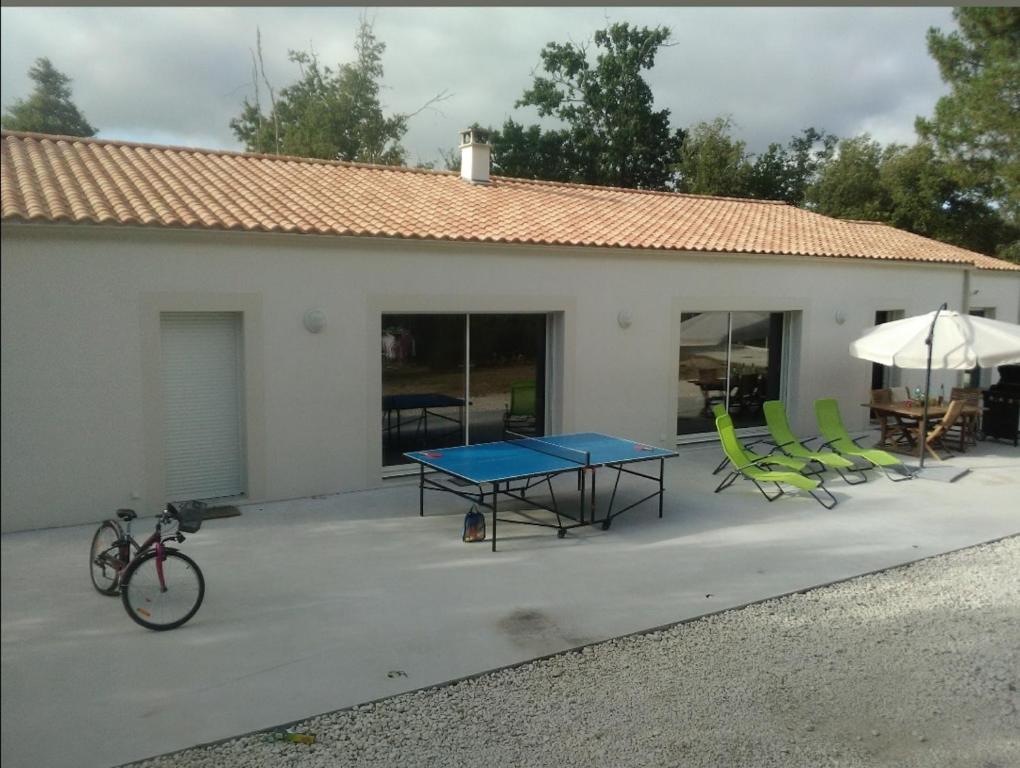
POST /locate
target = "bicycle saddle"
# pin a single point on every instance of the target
(126, 514)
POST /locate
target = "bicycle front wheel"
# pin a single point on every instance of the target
(105, 558)
(156, 607)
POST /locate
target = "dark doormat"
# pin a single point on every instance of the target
(212, 513)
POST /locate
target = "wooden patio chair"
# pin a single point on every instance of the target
(936, 437)
(966, 429)
(889, 426)
(880, 397)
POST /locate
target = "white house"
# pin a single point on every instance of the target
(188, 323)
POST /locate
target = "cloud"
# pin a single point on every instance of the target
(178, 75)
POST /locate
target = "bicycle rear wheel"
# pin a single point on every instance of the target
(105, 561)
(151, 606)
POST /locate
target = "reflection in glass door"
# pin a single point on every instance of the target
(423, 383)
(507, 376)
(732, 359)
(432, 399)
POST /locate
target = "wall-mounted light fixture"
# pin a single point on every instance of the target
(623, 319)
(315, 320)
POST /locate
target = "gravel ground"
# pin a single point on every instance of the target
(914, 666)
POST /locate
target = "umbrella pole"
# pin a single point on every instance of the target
(923, 436)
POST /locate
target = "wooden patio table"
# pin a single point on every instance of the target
(913, 411)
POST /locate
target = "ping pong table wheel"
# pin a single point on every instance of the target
(561, 532)
(606, 523)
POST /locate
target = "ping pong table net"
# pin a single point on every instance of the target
(581, 458)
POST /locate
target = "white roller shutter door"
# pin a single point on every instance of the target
(202, 376)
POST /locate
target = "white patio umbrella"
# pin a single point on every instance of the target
(941, 339)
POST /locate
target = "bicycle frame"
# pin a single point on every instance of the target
(155, 541)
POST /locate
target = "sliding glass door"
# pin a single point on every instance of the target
(451, 379)
(732, 359)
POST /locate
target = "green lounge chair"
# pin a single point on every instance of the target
(790, 462)
(755, 469)
(784, 440)
(720, 410)
(830, 424)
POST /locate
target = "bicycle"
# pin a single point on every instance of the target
(161, 588)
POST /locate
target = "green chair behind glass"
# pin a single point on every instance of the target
(520, 414)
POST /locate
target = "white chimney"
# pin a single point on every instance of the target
(475, 156)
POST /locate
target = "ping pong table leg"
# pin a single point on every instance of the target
(608, 519)
(421, 490)
(495, 497)
(662, 472)
(581, 485)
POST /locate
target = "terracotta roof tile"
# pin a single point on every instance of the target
(91, 181)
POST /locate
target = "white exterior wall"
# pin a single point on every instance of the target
(82, 409)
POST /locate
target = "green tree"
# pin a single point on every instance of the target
(612, 134)
(976, 127)
(927, 198)
(910, 188)
(849, 186)
(767, 176)
(1010, 251)
(712, 162)
(49, 109)
(329, 114)
(530, 153)
(785, 173)
(519, 152)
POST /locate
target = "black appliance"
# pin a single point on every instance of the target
(1001, 418)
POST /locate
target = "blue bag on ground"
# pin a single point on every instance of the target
(474, 525)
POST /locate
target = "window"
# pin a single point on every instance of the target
(885, 376)
(975, 377)
(733, 359)
(432, 399)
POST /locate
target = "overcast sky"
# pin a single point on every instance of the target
(178, 75)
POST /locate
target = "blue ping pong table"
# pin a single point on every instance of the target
(513, 467)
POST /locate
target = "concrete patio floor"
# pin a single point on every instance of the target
(318, 604)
